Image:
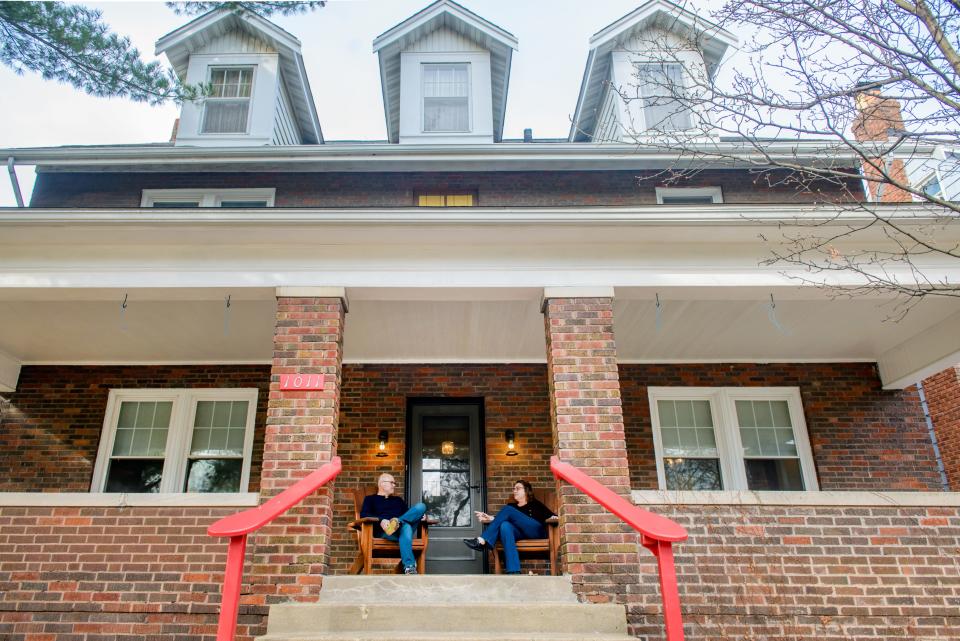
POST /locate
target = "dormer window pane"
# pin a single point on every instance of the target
(228, 105)
(662, 90)
(446, 97)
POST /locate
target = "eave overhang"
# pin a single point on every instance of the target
(180, 43)
(444, 14)
(712, 40)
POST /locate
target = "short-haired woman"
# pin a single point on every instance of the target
(525, 519)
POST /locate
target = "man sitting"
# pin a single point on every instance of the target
(397, 523)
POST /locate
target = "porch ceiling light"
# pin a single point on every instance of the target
(510, 437)
(382, 439)
(447, 448)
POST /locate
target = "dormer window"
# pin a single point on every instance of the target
(662, 89)
(227, 109)
(446, 98)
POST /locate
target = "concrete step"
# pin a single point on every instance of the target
(421, 636)
(468, 619)
(450, 588)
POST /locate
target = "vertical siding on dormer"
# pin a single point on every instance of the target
(236, 41)
(443, 40)
(608, 118)
(284, 127)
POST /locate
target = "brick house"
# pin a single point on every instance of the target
(452, 286)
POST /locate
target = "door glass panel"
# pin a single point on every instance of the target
(446, 470)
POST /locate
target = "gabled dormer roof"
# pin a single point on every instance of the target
(711, 39)
(444, 14)
(200, 32)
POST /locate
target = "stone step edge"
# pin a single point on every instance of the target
(448, 636)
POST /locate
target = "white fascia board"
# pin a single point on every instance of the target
(636, 17)
(587, 73)
(921, 356)
(262, 26)
(436, 9)
(9, 372)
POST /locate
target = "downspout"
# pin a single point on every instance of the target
(14, 182)
(944, 483)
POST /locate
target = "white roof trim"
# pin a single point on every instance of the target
(257, 23)
(714, 41)
(499, 42)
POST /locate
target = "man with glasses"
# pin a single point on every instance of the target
(397, 522)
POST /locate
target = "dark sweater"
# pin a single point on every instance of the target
(382, 507)
(535, 510)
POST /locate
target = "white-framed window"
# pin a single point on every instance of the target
(689, 195)
(227, 109)
(446, 97)
(663, 92)
(176, 440)
(189, 198)
(731, 438)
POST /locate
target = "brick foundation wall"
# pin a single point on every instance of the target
(494, 189)
(95, 573)
(943, 399)
(374, 397)
(863, 437)
(800, 573)
(50, 430)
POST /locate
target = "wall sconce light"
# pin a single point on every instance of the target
(382, 439)
(510, 437)
(447, 448)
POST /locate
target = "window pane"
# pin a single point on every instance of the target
(225, 116)
(134, 476)
(662, 90)
(227, 422)
(176, 204)
(781, 414)
(243, 203)
(430, 200)
(445, 114)
(694, 435)
(214, 475)
(686, 200)
(774, 474)
(692, 474)
(765, 428)
(150, 420)
(446, 477)
(668, 413)
(460, 200)
(670, 437)
(238, 414)
(204, 415)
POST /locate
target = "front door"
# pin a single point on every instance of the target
(446, 470)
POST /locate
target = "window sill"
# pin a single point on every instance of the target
(824, 499)
(97, 499)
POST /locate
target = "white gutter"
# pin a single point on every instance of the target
(14, 182)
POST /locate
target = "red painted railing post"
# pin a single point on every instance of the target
(669, 593)
(230, 598)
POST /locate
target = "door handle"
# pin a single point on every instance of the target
(475, 488)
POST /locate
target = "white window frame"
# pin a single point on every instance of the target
(716, 193)
(726, 428)
(685, 86)
(423, 98)
(180, 432)
(206, 197)
(249, 99)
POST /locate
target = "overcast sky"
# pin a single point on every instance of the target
(544, 82)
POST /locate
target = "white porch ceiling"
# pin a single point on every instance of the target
(48, 326)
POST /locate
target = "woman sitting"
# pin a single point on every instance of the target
(524, 519)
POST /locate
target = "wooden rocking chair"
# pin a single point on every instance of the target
(370, 547)
(537, 548)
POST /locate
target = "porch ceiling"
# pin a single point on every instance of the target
(64, 326)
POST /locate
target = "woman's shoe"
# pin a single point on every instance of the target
(473, 544)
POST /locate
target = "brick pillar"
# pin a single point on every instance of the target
(599, 551)
(943, 399)
(878, 120)
(291, 555)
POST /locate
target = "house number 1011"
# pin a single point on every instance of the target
(301, 382)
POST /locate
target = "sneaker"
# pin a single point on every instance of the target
(392, 526)
(410, 569)
(473, 544)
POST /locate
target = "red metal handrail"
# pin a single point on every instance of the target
(657, 534)
(238, 526)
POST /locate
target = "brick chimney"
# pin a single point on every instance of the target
(878, 119)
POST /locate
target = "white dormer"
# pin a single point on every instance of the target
(260, 96)
(444, 73)
(652, 54)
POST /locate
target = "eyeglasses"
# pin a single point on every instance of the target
(386, 481)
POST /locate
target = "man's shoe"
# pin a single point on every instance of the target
(473, 544)
(392, 526)
(410, 569)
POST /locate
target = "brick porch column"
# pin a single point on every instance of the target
(291, 555)
(599, 551)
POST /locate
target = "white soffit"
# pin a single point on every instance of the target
(439, 15)
(712, 40)
(191, 37)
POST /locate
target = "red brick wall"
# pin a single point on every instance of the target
(863, 437)
(113, 573)
(495, 189)
(943, 399)
(50, 431)
(799, 573)
(374, 397)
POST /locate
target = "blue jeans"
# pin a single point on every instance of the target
(508, 527)
(409, 521)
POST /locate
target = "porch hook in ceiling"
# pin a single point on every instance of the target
(123, 314)
(226, 316)
(659, 310)
(772, 315)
